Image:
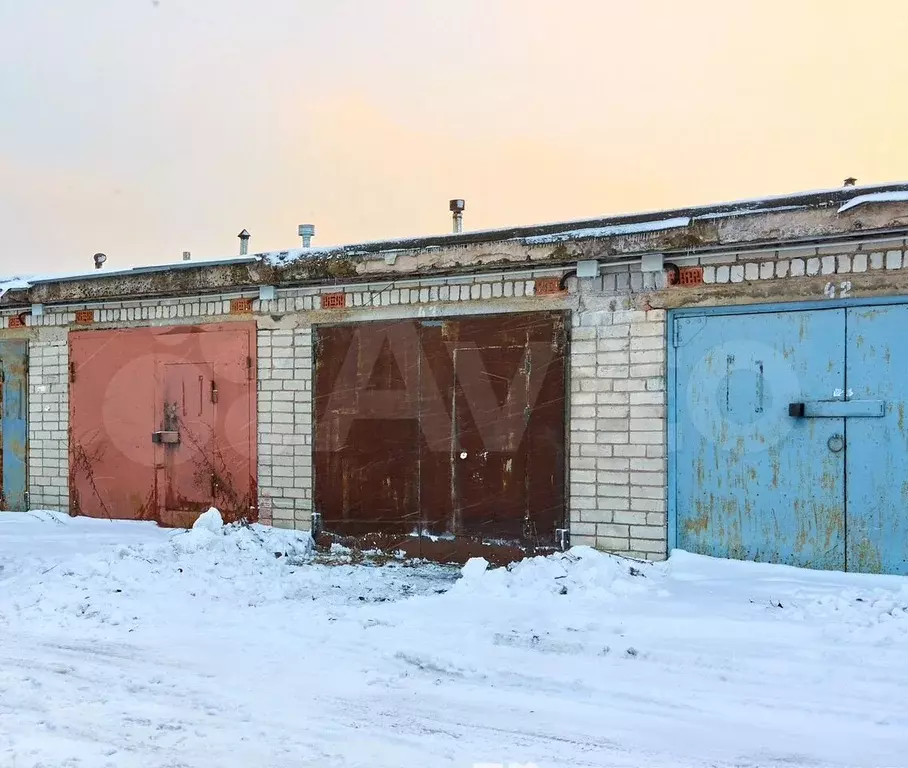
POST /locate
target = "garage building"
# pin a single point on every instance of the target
(725, 379)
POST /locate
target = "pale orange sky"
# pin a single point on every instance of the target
(143, 129)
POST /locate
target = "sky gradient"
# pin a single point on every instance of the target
(144, 128)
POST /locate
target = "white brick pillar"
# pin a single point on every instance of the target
(48, 420)
(285, 426)
(617, 432)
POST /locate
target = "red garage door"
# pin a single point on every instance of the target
(442, 434)
(163, 422)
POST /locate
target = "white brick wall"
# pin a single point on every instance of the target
(48, 420)
(285, 426)
(617, 480)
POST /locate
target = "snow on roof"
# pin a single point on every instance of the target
(893, 196)
(278, 258)
(623, 224)
(611, 230)
(13, 284)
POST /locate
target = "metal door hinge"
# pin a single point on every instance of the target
(72, 372)
(214, 392)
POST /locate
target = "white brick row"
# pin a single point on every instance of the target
(809, 266)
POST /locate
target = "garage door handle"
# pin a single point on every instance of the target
(837, 409)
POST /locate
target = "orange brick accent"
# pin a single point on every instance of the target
(547, 286)
(334, 300)
(688, 276)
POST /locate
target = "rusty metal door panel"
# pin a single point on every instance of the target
(753, 482)
(544, 438)
(508, 454)
(437, 500)
(111, 400)
(876, 449)
(367, 432)
(397, 405)
(14, 424)
(163, 422)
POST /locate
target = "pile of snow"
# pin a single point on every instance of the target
(582, 572)
(210, 520)
(220, 549)
(237, 563)
(213, 566)
(876, 614)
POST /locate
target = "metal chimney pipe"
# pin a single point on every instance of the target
(306, 233)
(186, 255)
(244, 242)
(457, 207)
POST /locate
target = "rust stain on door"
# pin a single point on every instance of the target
(442, 431)
(163, 422)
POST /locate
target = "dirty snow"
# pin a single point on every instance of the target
(123, 644)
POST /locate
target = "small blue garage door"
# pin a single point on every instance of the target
(13, 424)
(789, 437)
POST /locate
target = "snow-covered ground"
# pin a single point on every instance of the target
(122, 644)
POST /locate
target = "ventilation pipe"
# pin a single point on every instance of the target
(244, 242)
(186, 255)
(456, 207)
(100, 258)
(306, 233)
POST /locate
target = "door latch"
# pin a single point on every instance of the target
(165, 437)
(838, 409)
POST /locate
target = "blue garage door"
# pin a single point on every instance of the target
(789, 437)
(13, 424)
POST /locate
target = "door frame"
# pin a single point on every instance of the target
(671, 379)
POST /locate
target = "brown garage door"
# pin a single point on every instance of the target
(445, 430)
